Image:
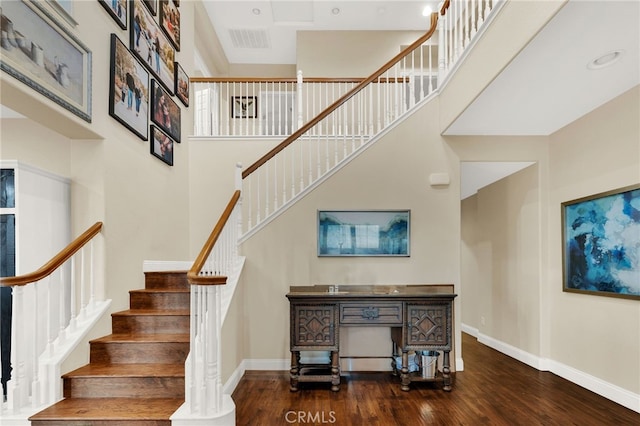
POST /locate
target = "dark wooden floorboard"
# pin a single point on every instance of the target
(493, 390)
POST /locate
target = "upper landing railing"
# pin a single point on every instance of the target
(328, 122)
(276, 107)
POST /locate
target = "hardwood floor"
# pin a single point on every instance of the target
(494, 389)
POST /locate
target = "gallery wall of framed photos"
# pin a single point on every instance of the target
(144, 74)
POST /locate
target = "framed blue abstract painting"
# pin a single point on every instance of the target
(363, 233)
(601, 244)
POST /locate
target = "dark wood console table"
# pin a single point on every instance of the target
(420, 317)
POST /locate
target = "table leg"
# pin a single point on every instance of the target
(404, 373)
(446, 372)
(335, 371)
(294, 373)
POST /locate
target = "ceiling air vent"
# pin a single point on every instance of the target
(250, 38)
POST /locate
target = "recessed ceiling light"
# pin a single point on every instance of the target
(427, 11)
(335, 11)
(256, 11)
(605, 60)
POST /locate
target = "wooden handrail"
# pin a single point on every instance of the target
(295, 135)
(57, 261)
(288, 80)
(445, 6)
(192, 275)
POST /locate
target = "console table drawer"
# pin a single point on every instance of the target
(371, 313)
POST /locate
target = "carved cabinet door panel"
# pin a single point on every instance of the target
(429, 324)
(314, 326)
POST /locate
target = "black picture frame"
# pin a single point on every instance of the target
(119, 11)
(152, 5)
(161, 145)
(129, 107)
(244, 107)
(151, 46)
(182, 85)
(169, 17)
(165, 112)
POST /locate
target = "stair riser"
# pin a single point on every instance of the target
(143, 353)
(98, 422)
(124, 387)
(159, 301)
(166, 280)
(147, 324)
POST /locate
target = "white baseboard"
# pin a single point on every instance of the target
(605, 389)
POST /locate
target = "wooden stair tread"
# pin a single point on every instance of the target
(152, 312)
(138, 337)
(128, 409)
(127, 370)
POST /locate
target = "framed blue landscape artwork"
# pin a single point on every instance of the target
(363, 233)
(601, 244)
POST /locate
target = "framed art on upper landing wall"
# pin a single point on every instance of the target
(601, 244)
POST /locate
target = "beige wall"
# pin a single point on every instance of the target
(501, 237)
(511, 247)
(383, 177)
(330, 53)
(599, 152)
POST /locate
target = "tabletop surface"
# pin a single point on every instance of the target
(356, 291)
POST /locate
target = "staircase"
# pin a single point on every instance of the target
(136, 375)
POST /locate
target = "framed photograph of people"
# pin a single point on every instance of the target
(170, 21)
(118, 11)
(161, 145)
(182, 85)
(151, 46)
(165, 112)
(128, 89)
(40, 52)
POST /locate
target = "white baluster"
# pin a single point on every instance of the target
(35, 383)
(301, 174)
(299, 95)
(72, 296)
(467, 23)
(265, 169)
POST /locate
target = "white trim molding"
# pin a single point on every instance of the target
(605, 389)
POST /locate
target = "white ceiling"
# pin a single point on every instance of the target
(270, 35)
(549, 85)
